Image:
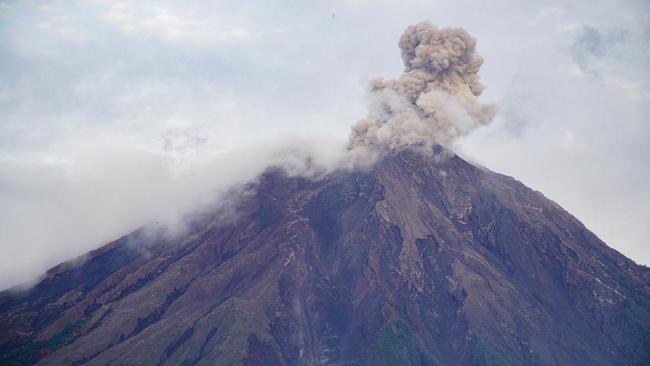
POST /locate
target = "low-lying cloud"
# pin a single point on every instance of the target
(59, 206)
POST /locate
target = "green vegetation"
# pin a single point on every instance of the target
(395, 346)
(31, 351)
(485, 354)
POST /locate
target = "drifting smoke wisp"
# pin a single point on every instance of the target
(434, 101)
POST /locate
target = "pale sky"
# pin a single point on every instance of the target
(116, 113)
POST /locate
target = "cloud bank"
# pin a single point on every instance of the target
(90, 195)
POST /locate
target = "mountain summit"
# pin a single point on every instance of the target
(416, 261)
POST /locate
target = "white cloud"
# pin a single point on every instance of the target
(173, 24)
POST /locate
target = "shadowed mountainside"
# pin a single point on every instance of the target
(417, 261)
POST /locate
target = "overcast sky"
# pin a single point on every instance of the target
(114, 113)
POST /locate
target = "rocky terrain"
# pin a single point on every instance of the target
(417, 261)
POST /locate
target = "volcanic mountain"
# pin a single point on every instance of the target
(419, 260)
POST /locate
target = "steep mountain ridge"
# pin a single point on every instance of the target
(417, 261)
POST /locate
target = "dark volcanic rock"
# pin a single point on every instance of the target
(417, 261)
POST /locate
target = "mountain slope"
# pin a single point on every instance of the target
(418, 261)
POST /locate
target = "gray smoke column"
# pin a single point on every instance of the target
(435, 99)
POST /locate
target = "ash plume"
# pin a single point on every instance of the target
(433, 102)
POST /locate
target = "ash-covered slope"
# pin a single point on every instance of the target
(418, 261)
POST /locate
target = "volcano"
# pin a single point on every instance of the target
(418, 260)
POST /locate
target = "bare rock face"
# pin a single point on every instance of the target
(419, 261)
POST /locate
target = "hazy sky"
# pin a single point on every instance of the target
(114, 113)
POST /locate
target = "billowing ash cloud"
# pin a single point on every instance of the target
(435, 99)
